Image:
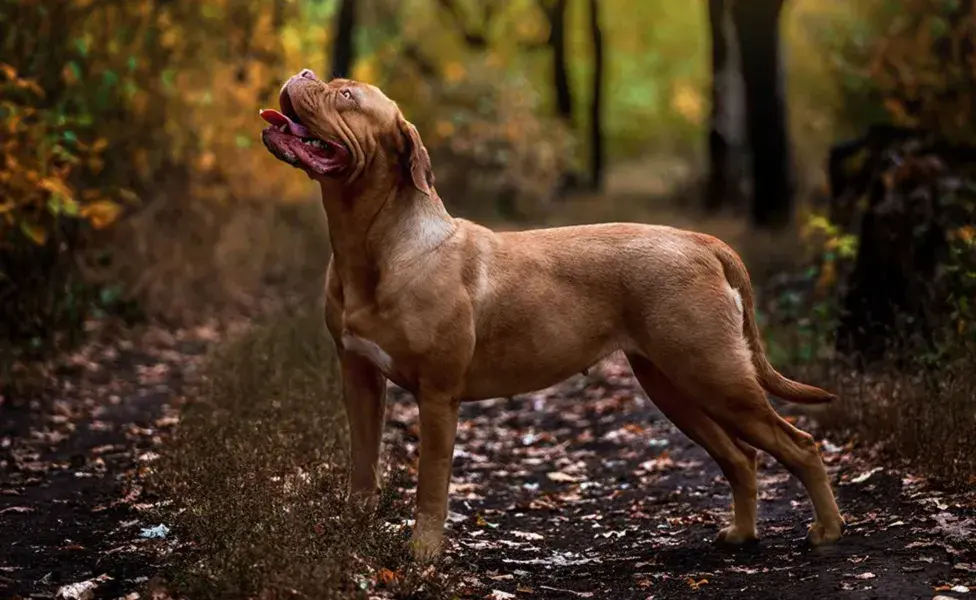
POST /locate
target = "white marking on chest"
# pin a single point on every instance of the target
(369, 350)
(431, 231)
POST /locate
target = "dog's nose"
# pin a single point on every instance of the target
(308, 74)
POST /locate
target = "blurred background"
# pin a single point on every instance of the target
(132, 181)
(831, 142)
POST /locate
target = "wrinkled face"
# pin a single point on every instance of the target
(337, 128)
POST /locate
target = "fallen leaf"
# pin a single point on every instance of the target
(386, 577)
(560, 477)
(83, 590)
(866, 475)
(481, 522)
(499, 595)
(694, 585)
(159, 531)
(867, 575)
(573, 592)
(959, 589)
(17, 509)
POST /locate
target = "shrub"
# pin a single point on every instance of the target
(910, 63)
(44, 217)
(922, 419)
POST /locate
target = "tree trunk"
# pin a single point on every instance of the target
(726, 134)
(343, 49)
(596, 105)
(757, 31)
(560, 72)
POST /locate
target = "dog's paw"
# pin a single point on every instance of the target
(821, 534)
(734, 537)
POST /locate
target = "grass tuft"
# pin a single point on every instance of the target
(925, 419)
(257, 475)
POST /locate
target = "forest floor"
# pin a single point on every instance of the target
(582, 490)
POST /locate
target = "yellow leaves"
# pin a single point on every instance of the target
(169, 38)
(966, 234)
(95, 165)
(828, 277)
(101, 213)
(61, 199)
(443, 129)
(140, 160)
(35, 233)
(99, 145)
(454, 71)
(11, 75)
(493, 59)
(206, 161)
(366, 69)
(127, 195)
(31, 86)
(13, 123)
(56, 187)
(8, 71)
(896, 108)
(687, 101)
(817, 224)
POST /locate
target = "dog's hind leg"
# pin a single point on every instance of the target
(736, 459)
(731, 396)
(752, 419)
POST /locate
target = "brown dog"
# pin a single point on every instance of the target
(452, 311)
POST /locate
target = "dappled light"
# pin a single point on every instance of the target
(258, 258)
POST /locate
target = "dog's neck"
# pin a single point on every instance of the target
(380, 231)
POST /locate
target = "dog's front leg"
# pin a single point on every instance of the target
(438, 427)
(364, 394)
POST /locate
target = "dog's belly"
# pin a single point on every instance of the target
(521, 371)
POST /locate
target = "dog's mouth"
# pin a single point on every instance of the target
(289, 140)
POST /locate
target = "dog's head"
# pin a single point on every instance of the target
(334, 130)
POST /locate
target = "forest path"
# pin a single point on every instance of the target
(586, 490)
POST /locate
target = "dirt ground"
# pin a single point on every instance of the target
(583, 490)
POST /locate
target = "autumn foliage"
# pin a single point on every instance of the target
(912, 63)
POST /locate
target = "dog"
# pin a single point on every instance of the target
(452, 311)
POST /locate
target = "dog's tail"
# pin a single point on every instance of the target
(770, 379)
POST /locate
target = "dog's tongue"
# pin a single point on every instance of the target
(278, 119)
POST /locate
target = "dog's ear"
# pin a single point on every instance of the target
(414, 156)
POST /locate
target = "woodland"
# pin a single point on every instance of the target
(170, 414)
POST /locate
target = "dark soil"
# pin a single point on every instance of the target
(581, 491)
(71, 506)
